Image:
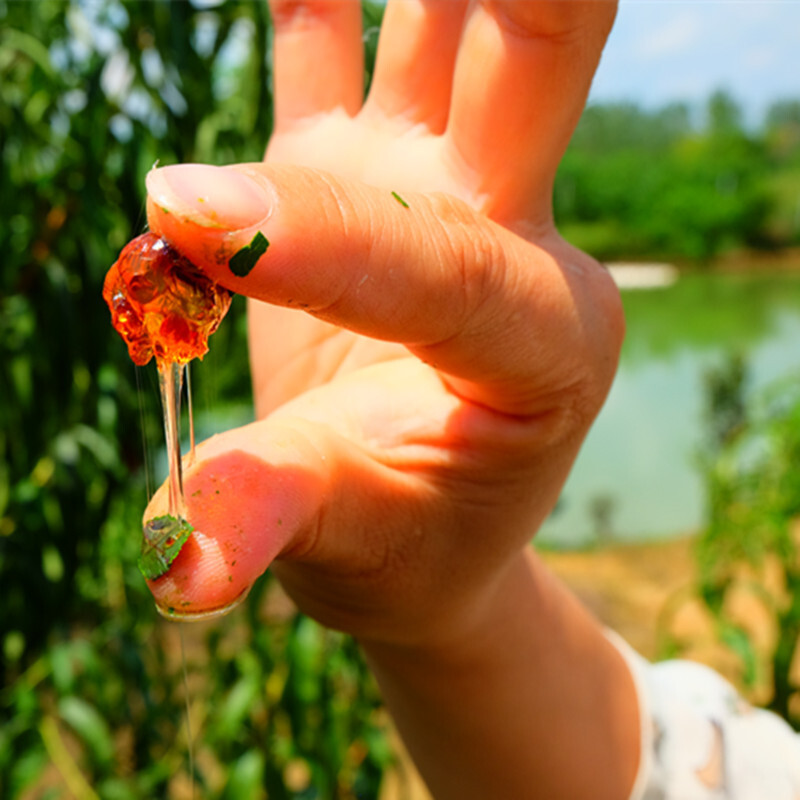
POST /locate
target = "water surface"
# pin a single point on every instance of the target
(635, 477)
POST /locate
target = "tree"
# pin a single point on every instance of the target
(635, 183)
(724, 114)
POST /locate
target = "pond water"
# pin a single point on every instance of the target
(637, 466)
(636, 477)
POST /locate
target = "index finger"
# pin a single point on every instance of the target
(511, 326)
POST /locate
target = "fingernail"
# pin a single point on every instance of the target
(215, 197)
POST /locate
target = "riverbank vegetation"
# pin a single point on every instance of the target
(747, 554)
(681, 183)
(91, 96)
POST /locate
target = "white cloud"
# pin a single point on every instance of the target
(666, 50)
(677, 36)
(760, 58)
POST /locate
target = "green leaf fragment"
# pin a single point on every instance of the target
(90, 725)
(400, 200)
(164, 538)
(245, 259)
(246, 777)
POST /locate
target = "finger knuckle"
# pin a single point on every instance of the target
(476, 254)
(556, 21)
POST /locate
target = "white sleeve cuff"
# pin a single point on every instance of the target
(701, 741)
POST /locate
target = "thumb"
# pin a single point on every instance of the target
(362, 257)
(288, 489)
(250, 494)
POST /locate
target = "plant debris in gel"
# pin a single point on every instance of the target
(164, 537)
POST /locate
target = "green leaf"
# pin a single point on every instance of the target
(90, 726)
(117, 789)
(306, 650)
(27, 45)
(741, 644)
(26, 769)
(246, 777)
(164, 538)
(235, 708)
(399, 199)
(245, 259)
(62, 666)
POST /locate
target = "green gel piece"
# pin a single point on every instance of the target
(399, 199)
(164, 538)
(245, 259)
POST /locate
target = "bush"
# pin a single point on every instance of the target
(748, 553)
(91, 96)
(666, 189)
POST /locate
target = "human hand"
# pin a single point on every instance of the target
(424, 370)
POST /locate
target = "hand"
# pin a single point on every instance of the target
(427, 356)
(418, 417)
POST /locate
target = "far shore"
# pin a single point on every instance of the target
(785, 259)
(636, 274)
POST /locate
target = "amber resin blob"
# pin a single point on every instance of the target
(164, 307)
(161, 304)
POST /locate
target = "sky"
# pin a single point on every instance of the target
(665, 50)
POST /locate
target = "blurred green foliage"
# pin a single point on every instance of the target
(92, 94)
(658, 184)
(748, 552)
(753, 488)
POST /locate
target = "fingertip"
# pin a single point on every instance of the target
(214, 216)
(226, 198)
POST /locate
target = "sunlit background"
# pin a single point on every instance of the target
(639, 469)
(662, 51)
(680, 526)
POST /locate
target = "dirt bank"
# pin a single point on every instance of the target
(627, 585)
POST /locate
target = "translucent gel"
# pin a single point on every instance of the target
(165, 308)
